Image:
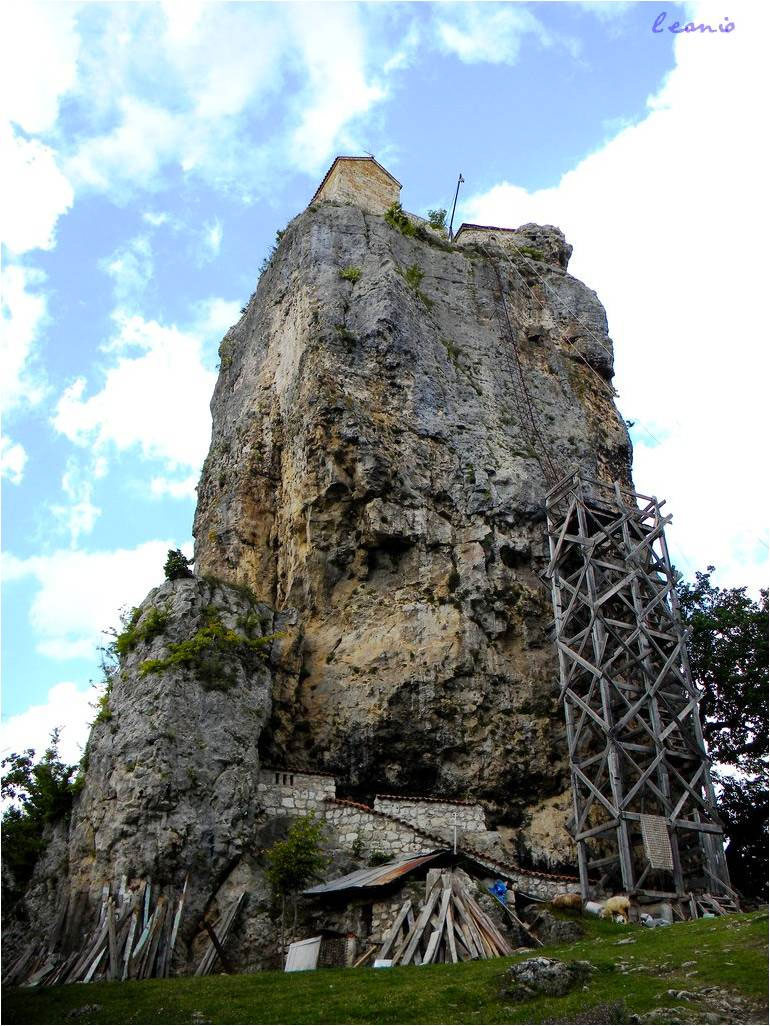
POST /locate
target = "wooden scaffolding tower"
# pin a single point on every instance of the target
(644, 812)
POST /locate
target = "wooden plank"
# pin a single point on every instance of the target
(175, 927)
(129, 943)
(364, 957)
(485, 921)
(470, 927)
(95, 964)
(401, 946)
(450, 934)
(462, 930)
(152, 944)
(440, 922)
(217, 946)
(394, 930)
(430, 951)
(223, 928)
(147, 892)
(421, 923)
(112, 939)
(134, 961)
(88, 952)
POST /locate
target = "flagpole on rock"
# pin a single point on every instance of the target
(452, 219)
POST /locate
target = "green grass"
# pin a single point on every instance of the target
(731, 953)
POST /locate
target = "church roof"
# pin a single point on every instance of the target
(338, 159)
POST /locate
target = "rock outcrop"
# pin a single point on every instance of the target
(374, 467)
(369, 535)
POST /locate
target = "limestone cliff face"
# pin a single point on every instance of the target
(376, 479)
(375, 475)
(171, 779)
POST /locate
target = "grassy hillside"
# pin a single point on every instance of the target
(729, 953)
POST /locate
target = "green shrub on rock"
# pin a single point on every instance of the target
(177, 565)
(396, 218)
(351, 274)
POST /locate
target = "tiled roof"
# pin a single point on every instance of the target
(483, 227)
(425, 798)
(334, 164)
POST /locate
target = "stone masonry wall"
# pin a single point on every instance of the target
(362, 183)
(377, 832)
(436, 816)
(353, 824)
(283, 792)
(539, 243)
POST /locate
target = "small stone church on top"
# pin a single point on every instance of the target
(359, 180)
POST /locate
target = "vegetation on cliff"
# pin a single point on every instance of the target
(42, 793)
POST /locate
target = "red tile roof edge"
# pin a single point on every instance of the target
(479, 856)
(426, 798)
(483, 227)
(342, 157)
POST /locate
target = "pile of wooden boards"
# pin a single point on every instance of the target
(451, 927)
(130, 940)
(218, 934)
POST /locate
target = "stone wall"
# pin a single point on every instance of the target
(541, 243)
(369, 831)
(360, 182)
(434, 815)
(283, 792)
(355, 825)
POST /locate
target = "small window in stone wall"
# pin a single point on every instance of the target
(278, 778)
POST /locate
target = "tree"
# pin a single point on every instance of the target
(437, 219)
(728, 650)
(42, 793)
(293, 863)
(177, 565)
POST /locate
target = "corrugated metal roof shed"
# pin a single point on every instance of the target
(378, 876)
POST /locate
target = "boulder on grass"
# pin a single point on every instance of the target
(549, 976)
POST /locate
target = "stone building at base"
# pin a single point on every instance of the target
(398, 825)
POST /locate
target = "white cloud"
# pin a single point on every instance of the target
(130, 268)
(179, 488)
(491, 33)
(80, 593)
(24, 313)
(34, 192)
(13, 458)
(338, 90)
(222, 68)
(212, 317)
(211, 241)
(156, 218)
(39, 48)
(154, 402)
(68, 707)
(606, 10)
(145, 137)
(60, 648)
(79, 515)
(667, 223)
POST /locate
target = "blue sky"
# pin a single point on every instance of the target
(151, 151)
